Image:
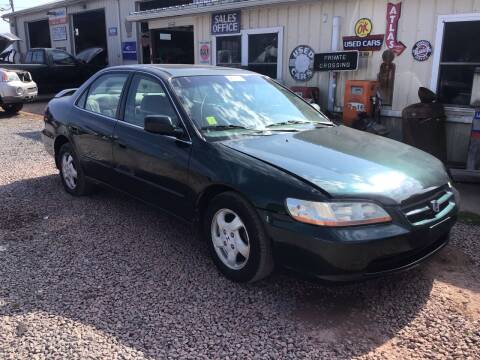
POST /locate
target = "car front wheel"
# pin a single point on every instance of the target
(238, 242)
(71, 173)
(12, 108)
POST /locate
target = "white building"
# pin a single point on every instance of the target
(262, 35)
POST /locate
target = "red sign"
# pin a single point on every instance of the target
(394, 11)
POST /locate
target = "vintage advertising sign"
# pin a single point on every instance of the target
(59, 33)
(226, 23)
(422, 50)
(363, 27)
(336, 61)
(301, 63)
(205, 52)
(57, 16)
(129, 50)
(368, 43)
(394, 11)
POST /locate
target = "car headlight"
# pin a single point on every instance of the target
(20, 91)
(336, 214)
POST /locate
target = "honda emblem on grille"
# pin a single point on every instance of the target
(435, 205)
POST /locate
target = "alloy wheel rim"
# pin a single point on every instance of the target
(230, 239)
(69, 172)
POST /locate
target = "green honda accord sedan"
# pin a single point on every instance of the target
(267, 178)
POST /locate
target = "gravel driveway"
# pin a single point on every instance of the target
(106, 277)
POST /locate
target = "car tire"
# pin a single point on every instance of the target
(232, 226)
(71, 173)
(12, 108)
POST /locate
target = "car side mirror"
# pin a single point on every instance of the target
(316, 107)
(162, 125)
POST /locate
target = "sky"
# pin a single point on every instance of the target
(19, 5)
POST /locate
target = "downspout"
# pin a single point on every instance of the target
(119, 33)
(332, 85)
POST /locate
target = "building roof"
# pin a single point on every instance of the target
(201, 6)
(44, 7)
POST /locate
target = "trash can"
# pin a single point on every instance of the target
(424, 125)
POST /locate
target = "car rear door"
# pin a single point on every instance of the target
(95, 115)
(152, 167)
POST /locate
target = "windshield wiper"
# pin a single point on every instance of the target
(224, 127)
(290, 122)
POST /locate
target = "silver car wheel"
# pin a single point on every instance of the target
(230, 239)
(69, 172)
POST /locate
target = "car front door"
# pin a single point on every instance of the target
(64, 70)
(96, 113)
(152, 167)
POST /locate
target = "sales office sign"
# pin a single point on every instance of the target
(226, 23)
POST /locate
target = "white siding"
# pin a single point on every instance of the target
(310, 23)
(115, 14)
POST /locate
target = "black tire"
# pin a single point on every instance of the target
(83, 186)
(12, 108)
(260, 261)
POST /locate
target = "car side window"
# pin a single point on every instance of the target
(38, 57)
(62, 58)
(104, 94)
(147, 97)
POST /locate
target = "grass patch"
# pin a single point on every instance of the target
(469, 218)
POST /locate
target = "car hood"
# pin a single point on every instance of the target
(349, 163)
(7, 39)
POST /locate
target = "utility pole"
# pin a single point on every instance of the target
(11, 6)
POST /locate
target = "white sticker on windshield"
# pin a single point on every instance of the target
(235, 78)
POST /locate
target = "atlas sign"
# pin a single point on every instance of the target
(394, 11)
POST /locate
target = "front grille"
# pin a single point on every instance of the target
(431, 208)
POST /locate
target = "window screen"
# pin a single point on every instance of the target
(460, 58)
(229, 51)
(263, 53)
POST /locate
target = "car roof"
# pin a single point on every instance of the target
(179, 70)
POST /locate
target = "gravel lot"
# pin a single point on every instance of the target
(106, 277)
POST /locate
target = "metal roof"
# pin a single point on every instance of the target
(201, 6)
(44, 7)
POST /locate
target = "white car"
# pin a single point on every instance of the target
(16, 88)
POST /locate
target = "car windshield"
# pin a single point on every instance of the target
(238, 105)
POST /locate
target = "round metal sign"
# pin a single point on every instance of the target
(363, 27)
(301, 63)
(422, 50)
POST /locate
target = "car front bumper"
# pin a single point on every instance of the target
(348, 254)
(9, 95)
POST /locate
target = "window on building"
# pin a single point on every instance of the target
(262, 54)
(229, 51)
(258, 50)
(104, 94)
(62, 58)
(459, 61)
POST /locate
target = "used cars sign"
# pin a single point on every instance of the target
(226, 23)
